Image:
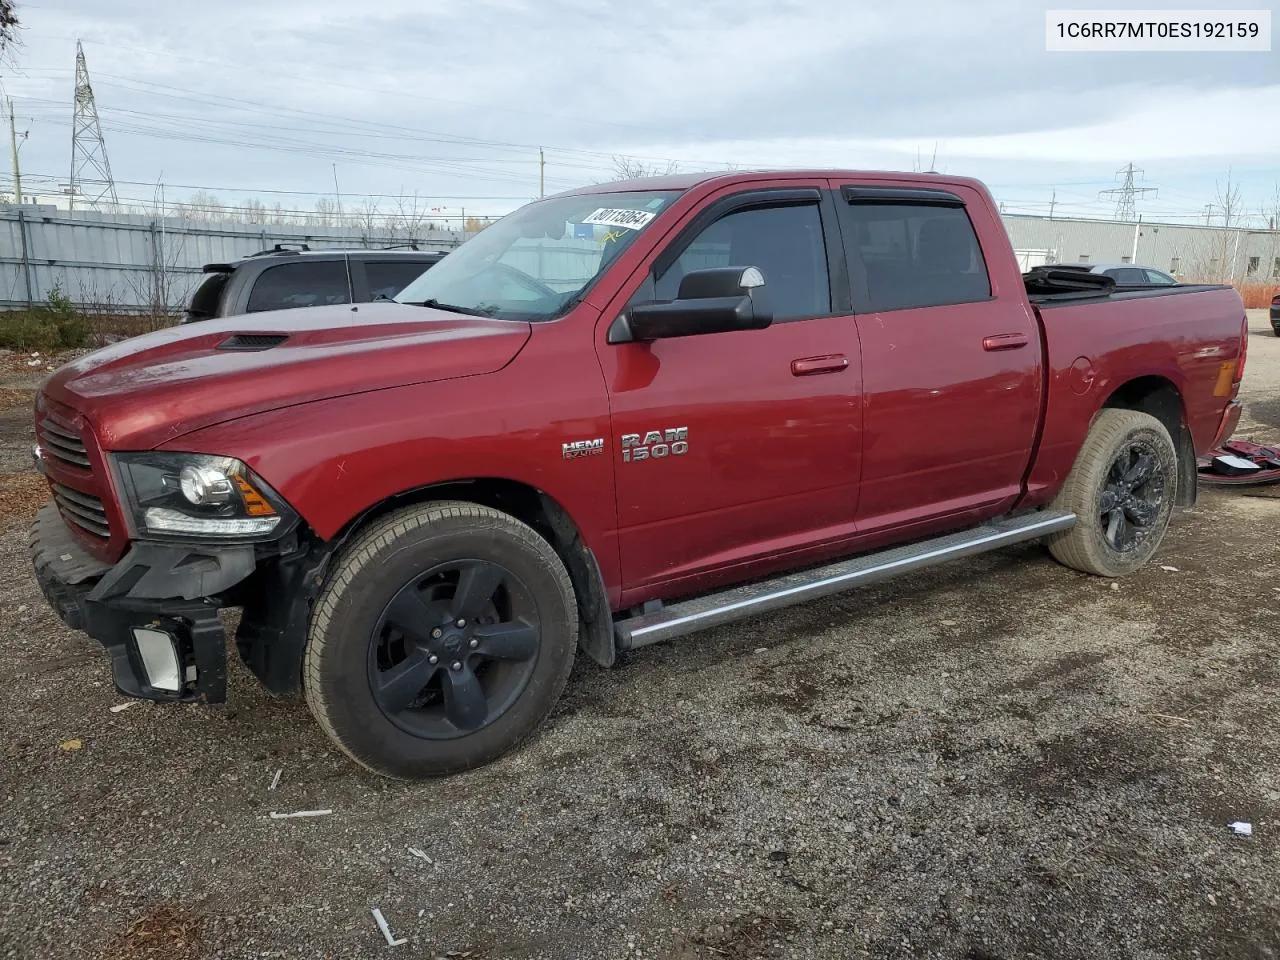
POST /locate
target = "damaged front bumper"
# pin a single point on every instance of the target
(155, 611)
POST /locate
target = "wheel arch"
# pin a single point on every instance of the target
(549, 519)
(1160, 397)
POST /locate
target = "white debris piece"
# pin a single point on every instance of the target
(762, 649)
(120, 707)
(1242, 828)
(420, 854)
(386, 930)
(275, 781)
(300, 813)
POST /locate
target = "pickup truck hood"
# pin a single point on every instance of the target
(153, 388)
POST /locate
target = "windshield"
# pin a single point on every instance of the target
(535, 263)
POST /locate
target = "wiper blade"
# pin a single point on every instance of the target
(454, 308)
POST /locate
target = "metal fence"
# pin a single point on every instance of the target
(131, 263)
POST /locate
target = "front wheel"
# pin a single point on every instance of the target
(1122, 490)
(442, 638)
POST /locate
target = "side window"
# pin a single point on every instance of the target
(389, 277)
(916, 256)
(1129, 275)
(1155, 276)
(300, 285)
(784, 242)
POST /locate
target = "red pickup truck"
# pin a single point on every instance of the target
(619, 415)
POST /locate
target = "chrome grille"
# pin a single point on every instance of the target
(64, 443)
(82, 509)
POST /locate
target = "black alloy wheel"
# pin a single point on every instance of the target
(454, 649)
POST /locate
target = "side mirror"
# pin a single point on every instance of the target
(715, 300)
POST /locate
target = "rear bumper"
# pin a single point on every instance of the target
(1230, 420)
(168, 591)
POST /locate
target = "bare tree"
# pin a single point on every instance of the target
(367, 219)
(254, 211)
(409, 220)
(325, 213)
(629, 168)
(8, 23)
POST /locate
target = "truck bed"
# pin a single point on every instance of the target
(1071, 297)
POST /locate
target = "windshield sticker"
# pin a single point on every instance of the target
(631, 219)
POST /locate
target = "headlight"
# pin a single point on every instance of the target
(195, 495)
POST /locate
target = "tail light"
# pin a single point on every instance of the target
(1244, 350)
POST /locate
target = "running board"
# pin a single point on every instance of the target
(745, 601)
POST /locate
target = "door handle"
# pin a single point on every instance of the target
(810, 365)
(1005, 341)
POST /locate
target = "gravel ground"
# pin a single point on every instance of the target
(997, 760)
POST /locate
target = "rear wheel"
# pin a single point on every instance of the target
(1122, 490)
(443, 637)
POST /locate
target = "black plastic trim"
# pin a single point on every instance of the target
(924, 196)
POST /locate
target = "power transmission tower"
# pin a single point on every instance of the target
(90, 169)
(1127, 193)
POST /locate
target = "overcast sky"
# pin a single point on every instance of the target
(451, 98)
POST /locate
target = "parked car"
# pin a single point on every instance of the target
(1275, 314)
(284, 277)
(1124, 274)
(619, 415)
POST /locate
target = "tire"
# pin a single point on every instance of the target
(1099, 492)
(391, 603)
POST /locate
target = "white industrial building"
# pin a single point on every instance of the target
(1208, 253)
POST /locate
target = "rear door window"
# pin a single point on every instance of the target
(1155, 276)
(916, 255)
(301, 284)
(389, 277)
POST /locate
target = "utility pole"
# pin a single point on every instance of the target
(542, 174)
(13, 146)
(337, 194)
(88, 148)
(1053, 202)
(1127, 193)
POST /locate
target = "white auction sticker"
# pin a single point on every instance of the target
(1124, 31)
(631, 219)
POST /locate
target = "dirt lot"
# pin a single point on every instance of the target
(998, 760)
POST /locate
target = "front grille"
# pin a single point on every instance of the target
(63, 443)
(82, 509)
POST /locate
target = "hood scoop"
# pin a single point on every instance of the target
(253, 341)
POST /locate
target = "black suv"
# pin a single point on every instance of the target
(284, 277)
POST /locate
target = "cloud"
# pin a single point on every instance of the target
(454, 96)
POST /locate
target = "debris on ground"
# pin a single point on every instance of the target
(70, 746)
(420, 854)
(1242, 829)
(21, 495)
(167, 931)
(1166, 567)
(1239, 462)
(275, 781)
(386, 930)
(121, 707)
(300, 813)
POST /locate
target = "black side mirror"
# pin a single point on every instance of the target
(715, 300)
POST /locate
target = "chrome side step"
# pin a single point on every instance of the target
(789, 589)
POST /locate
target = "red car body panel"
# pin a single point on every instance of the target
(891, 425)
